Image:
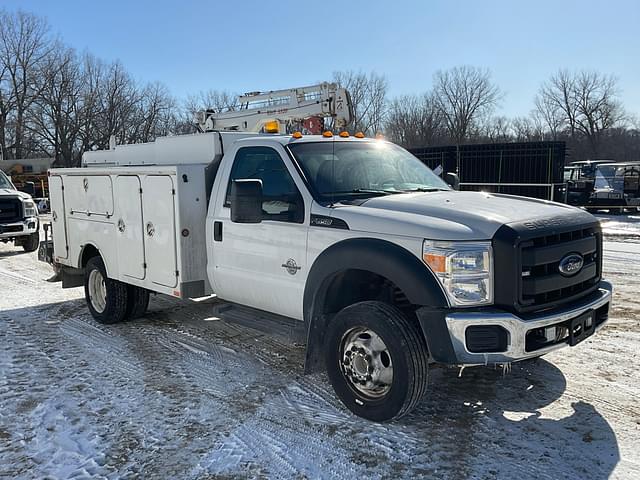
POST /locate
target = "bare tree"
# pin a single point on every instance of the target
(368, 98)
(587, 102)
(25, 44)
(557, 100)
(464, 95)
(54, 117)
(549, 112)
(414, 121)
(497, 129)
(154, 115)
(217, 100)
(527, 129)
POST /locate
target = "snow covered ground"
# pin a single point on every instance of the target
(181, 394)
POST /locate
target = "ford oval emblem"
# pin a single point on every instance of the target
(570, 264)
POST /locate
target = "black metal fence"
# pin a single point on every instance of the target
(531, 169)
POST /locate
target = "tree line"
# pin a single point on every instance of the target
(59, 103)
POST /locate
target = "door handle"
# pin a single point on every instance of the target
(217, 231)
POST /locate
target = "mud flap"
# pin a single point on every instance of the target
(72, 277)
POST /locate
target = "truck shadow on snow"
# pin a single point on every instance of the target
(482, 424)
(498, 424)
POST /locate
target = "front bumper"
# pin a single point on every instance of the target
(26, 227)
(449, 342)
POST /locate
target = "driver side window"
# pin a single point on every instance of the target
(281, 199)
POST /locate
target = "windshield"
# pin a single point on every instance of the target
(342, 170)
(604, 176)
(4, 181)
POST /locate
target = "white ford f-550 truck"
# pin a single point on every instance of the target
(18, 217)
(381, 264)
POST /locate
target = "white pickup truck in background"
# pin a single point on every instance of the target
(18, 217)
(381, 264)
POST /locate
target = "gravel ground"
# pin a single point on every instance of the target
(181, 394)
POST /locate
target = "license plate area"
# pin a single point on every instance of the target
(581, 327)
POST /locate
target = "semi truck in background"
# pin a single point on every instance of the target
(355, 243)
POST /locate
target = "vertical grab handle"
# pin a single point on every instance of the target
(217, 231)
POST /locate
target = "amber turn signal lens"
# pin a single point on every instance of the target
(436, 262)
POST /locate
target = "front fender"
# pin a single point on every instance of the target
(380, 257)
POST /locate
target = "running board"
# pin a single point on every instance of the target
(287, 328)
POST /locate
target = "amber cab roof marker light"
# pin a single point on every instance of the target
(359, 135)
(272, 127)
(328, 134)
(296, 135)
(344, 134)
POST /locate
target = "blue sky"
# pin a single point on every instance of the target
(262, 45)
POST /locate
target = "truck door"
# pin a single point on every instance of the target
(159, 220)
(59, 224)
(58, 217)
(130, 239)
(261, 265)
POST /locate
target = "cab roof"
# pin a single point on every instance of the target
(290, 140)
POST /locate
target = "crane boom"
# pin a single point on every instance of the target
(260, 111)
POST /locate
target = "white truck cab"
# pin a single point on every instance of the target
(354, 242)
(18, 216)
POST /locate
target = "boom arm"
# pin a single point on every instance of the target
(257, 109)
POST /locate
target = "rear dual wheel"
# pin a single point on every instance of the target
(111, 301)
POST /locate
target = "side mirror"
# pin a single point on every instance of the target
(453, 180)
(246, 201)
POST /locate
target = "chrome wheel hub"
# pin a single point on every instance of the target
(366, 362)
(97, 291)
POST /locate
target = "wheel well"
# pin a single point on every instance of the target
(353, 285)
(88, 252)
(341, 290)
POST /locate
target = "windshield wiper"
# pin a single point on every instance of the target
(365, 190)
(426, 189)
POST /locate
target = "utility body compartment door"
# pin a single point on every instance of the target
(130, 239)
(159, 230)
(59, 224)
(90, 195)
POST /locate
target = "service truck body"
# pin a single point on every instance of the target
(161, 218)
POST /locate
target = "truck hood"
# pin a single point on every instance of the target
(450, 215)
(8, 192)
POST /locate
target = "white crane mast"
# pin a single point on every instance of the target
(271, 111)
(268, 112)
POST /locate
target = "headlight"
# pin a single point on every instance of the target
(465, 270)
(30, 209)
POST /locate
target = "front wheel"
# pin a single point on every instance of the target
(106, 298)
(32, 242)
(377, 360)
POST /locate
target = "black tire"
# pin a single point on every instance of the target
(137, 302)
(32, 242)
(407, 351)
(115, 301)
